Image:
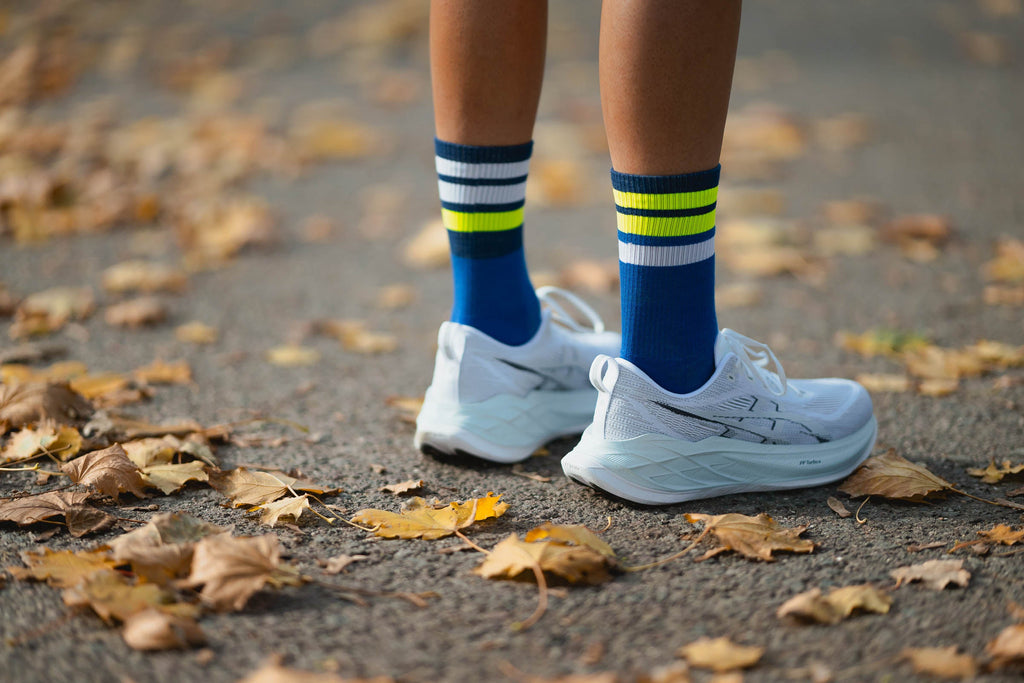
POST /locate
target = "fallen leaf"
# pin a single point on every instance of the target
(354, 336)
(62, 371)
(403, 487)
(116, 598)
(881, 342)
(848, 240)
(1008, 265)
(140, 312)
(428, 249)
(838, 507)
(918, 547)
(891, 476)
(884, 383)
(291, 355)
(109, 471)
(152, 630)
(273, 672)
(720, 654)
(336, 139)
(938, 387)
(172, 476)
(1002, 534)
(574, 563)
(838, 604)
(676, 672)
(95, 386)
(162, 549)
(943, 662)
(289, 508)
(49, 310)
(408, 406)
(338, 563)
(935, 574)
(419, 519)
(32, 509)
(195, 332)
(231, 569)
(994, 473)
(85, 519)
(62, 568)
(842, 132)
(984, 48)
(34, 402)
(1008, 647)
(160, 372)
(753, 537)
(255, 487)
(394, 297)
(575, 534)
(143, 276)
(996, 295)
(62, 442)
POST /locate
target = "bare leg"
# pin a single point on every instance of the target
(666, 73)
(487, 64)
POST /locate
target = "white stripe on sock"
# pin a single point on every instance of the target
(678, 255)
(481, 194)
(463, 169)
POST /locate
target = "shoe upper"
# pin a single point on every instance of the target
(471, 366)
(747, 398)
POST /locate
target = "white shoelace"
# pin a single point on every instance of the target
(757, 361)
(560, 315)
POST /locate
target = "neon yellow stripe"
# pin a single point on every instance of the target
(458, 221)
(666, 227)
(675, 200)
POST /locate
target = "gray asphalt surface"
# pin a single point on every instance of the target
(945, 137)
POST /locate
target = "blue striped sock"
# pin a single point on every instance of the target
(483, 190)
(667, 275)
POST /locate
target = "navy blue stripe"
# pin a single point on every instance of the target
(666, 184)
(483, 208)
(667, 213)
(483, 155)
(481, 181)
(477, 245)
(659, 241)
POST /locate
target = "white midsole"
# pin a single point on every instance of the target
(656, 469)
(504, 428)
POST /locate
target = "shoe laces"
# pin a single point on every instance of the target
(757, 361)
(549, 296)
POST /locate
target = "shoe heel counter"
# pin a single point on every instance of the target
(451, 347)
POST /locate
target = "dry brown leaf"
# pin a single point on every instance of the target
(62, 371)
(85, 519)
(428, 248)
(574, 563)
(884, 382)
(720, 654)
(753, 537)
(881, 342)
(997, 295)
(196, 332)
(171, 477)
(62, 442)
(938, 387)
(32, 509)
(354, 336)
(231, 569)
(162, 549)
(273, 672)
(576, 534)
(1008, 647)
(160, 372)
(935, 574)
(152, 630)
(994, 473)
(115, 598)
(943, 662)
(62, 568)
(838, 604)
(394, 297)
(128, 428)
(138, 312)
(338, 563)
(109, 471)
(34, 402)
(849, 240)
(255, 487)
(95, 386)
(291, 355)
(838, 507)
(1008, 265)
(289, 508)
(408, 407)
(49, 310)
(403, 487)
(152, 450)
(1002, 534)
(891, 476)
(419, 519)
(143, 276)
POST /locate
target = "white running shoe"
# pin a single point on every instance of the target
(501, 403)
(746, 429)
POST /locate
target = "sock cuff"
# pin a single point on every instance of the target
(473, 154)
(666, 184)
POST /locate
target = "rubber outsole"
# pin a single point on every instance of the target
(611, 466)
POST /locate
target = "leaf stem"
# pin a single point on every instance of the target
(856, 515)
(666, 560)
(982, 500)
(470, 543)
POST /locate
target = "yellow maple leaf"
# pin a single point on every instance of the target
(720, 654)
(170, 477)
(63, 441)
(161, 372)
(115, 598)
(231, 569)
(753, 537)
(1002, 534)
(420, 519)
(576, 534)
(994, 473)
(255, 487)
(935, 574)
(891, 476)
(839, 603)
(574, 563)
(62, 568)
(292, 507)
(944, 662)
